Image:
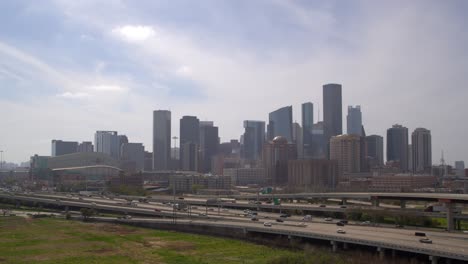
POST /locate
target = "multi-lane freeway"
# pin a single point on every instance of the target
(157, 210)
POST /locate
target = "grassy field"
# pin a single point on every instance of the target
(49, 240)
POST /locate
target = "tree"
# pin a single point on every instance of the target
(87, 213)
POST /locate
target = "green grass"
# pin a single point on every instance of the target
(50, 240)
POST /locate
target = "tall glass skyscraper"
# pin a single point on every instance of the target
(307, 126)
(354, 121)
(280, 124)
(107, 142)
(189, 142)
(332, 111)
(397, 146)
(161, 140)
(421, 146)
(254, 137)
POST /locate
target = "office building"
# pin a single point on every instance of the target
(209, 144)
(374, 145)
(280, 124)
(161, 140)
(346, 150)
(354, 121)
(189, 142)
(460, 168)
(60, 147)
(189, 156)
(254, 138)
(246, 176)
(107, 142)
(332, 111)
(133, 154)
(312, 175)
(307, 127)
(148, 166)
(86, 146)
(276, 155)
(319, 143)
(421, 146)
(298, 139)
(397, 146)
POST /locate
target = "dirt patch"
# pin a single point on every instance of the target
(117, 229)
(172, 245)
(100, 250)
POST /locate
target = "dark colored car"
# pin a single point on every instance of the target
(279, 220)
(340, 224)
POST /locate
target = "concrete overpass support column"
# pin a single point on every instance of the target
(334, 246)
(376, 202)
(344, 201)
(448, 261)
(403, 204)
(345, 246)
(434, 259)
(393, 253)
(381, 253)
(450, 222)
(66, 209)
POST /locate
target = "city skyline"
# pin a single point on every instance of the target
(61, 91)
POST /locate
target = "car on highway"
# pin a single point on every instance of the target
(322, 205)
(202, 214)
(307, 218)
(157, 210)
(425, 240)
(181, 198)
(398, 226)
(420, 234)
(279, 220)
(254, 219)
(341, 231)
(366, 223)
(128, 217)
(302, 224)
(340, 224)
(268, 224)
(328, 219)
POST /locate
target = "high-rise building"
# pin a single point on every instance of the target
(133, 153)
(298, 139)
(421, 146)
(161, 140)
(354, 120)
(460, 168)
(312, 175)
(276, 155)
(307, 127)
(346, 150)
(397, 146)
(319, 144)
(280, 124)
(107, 142)
(209, 143)
(189, 142)
(254, 137)
(60, 147)
(86, 146)
(332, 111)
(374, 145)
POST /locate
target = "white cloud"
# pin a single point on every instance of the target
(184, 70)
(134, 33)
(72, 95)
(106, 88)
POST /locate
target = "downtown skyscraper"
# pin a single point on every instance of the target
(421, 150)
(189, 142)
(397, 146)
(332, 111)
(354, 121)
(161, 140)
(280, 124)
(307, 127)
(107, 142)
(254, 137)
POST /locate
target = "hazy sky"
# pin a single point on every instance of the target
(69, 68)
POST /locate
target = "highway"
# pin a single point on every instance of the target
(445, 244)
